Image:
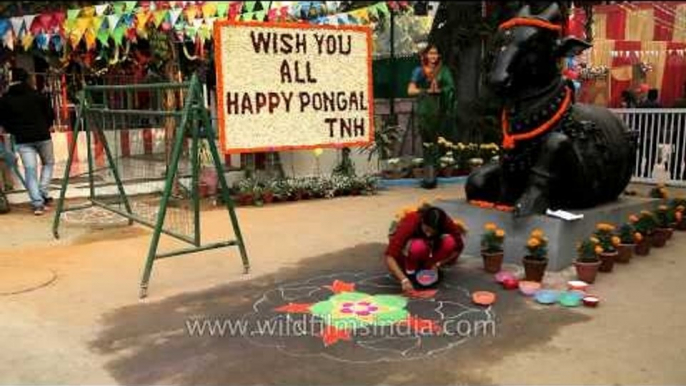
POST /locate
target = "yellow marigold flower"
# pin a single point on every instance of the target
(490, 226)
(500, 233)
(662, 207)
(594, 240)
(598, 250)
(537, 233)
(616, 241)
(533, 242)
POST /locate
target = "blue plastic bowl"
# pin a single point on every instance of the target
(427, 277)
(546, 296)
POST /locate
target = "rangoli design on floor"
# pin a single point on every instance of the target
(360, 317)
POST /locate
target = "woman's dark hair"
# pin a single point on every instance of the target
(434, 218)
(424, 55)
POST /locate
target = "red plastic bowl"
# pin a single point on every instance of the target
(483, 298)
(510, 283)
(591, 301)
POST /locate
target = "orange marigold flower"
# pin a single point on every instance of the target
(616, 241)
(598, 250)
(638, 237)
(533, 242)
(490, 226)
(500, 233)
(633, 218)
(537, 233)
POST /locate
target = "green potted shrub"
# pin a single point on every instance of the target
(609, 242)
(447, 164)
(245, 190)
(587, 262)
(536, 260)
(664, 219)
(645, 226)
(492, 248)
(418, 167)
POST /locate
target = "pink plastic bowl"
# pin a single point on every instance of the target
(529, 288)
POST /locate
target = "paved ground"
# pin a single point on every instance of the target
(85, 325)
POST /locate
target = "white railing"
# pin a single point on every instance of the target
(661, 153)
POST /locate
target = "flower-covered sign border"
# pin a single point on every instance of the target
(286, 142)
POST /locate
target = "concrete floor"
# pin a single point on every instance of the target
(83, 323)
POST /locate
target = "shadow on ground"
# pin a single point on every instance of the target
(151, 344)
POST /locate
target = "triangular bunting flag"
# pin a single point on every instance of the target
(265, 5)
(142, 18)
(90, 38)
(259, 15)
(205, 33)
(42, 41)
(271, 15)
(104, 37)
(191, 12)
(383, 9)
(373, 12)
(4, 27)
(159, 16)
(112, 21)
(97, 23)
(88, 12)
(73, 14)
(248, 6)
(191, 32)
(118, 34)
(69, 26)
(130, 5)
(247, 16)
(28, 21)
(119, 7)
(196, 23)
(343, 19)
(234, 10)
(27, 41)
(17, 24)
(284, 11)
(174, 15)
(209, 9)
(210, 22)
(83, 23)
(8, 41)
(100, 9)
(222, 8)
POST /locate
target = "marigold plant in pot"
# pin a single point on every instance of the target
(492, 248)
(645, 226)
(536, 260)
(608, 241)
(663, 217)
(587, 262)
(628, 238)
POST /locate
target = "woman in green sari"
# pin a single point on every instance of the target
(432, 84)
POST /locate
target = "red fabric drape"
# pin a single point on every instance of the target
(674, 76)
(575, 26)
(617, 86)
(616, 24)
(664, 21)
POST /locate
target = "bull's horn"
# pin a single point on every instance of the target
(551, 13)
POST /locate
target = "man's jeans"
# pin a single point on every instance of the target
(28, 153)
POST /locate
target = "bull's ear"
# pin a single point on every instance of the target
(570, 46)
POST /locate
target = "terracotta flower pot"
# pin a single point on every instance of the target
(643, 248)
(447, 172)
(268, 197)
(534, 269)
(625, 253)
(660, 237)
(203, 190)
(493, 261)
(681, 226)
(245, 199)
(607, 261)
(586, 271)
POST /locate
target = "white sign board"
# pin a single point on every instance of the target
(292, 86)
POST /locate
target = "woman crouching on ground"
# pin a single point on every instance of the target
(425, 239)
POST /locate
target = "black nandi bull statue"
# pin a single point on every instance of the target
(556, 154)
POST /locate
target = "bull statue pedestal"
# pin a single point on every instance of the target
(562, 235)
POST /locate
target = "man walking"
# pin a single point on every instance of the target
(28, 116)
